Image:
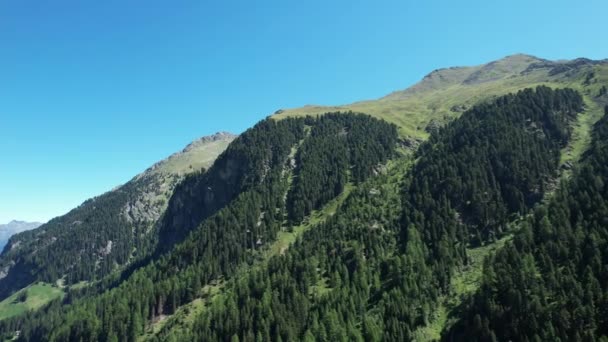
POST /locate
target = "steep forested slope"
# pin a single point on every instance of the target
(551, 283)
(376, 269)
(104, 233)
(223, 242)
(494, 161)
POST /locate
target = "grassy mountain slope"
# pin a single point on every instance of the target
(199, 154)
(31, 297)
(444, 94)
(107, 232)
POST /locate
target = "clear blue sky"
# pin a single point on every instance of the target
(93, 92)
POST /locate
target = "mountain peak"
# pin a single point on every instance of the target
(198, 154)
(502, 68)
(218, 136)
(519, 57)
(470, 75)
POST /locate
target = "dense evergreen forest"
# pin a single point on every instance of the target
(551, 282)
(377, 268)
(494, 161)
(337, 146)
(258, 165)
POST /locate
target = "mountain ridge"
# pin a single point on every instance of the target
(124, 219)
(468, 75)
(14, 227)
(443, 95)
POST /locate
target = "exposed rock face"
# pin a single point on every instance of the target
(151, 200)
(433, 127)
(409, 143)
(157, 183)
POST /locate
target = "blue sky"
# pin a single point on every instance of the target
(93, 92)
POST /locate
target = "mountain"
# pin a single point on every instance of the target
(444, 94)
(468, 207)
(105, 233)
(13, 227)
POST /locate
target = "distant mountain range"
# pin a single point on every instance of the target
(14, 227)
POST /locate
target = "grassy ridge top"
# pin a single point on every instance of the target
(444, 93)
(201, 153)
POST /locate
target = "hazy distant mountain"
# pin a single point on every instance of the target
(13, 227)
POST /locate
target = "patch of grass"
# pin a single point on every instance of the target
(286, 238)
(30, 298)
(581, 135)
(412, 114)
(79, 285)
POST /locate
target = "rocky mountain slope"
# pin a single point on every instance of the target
(107, 232)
